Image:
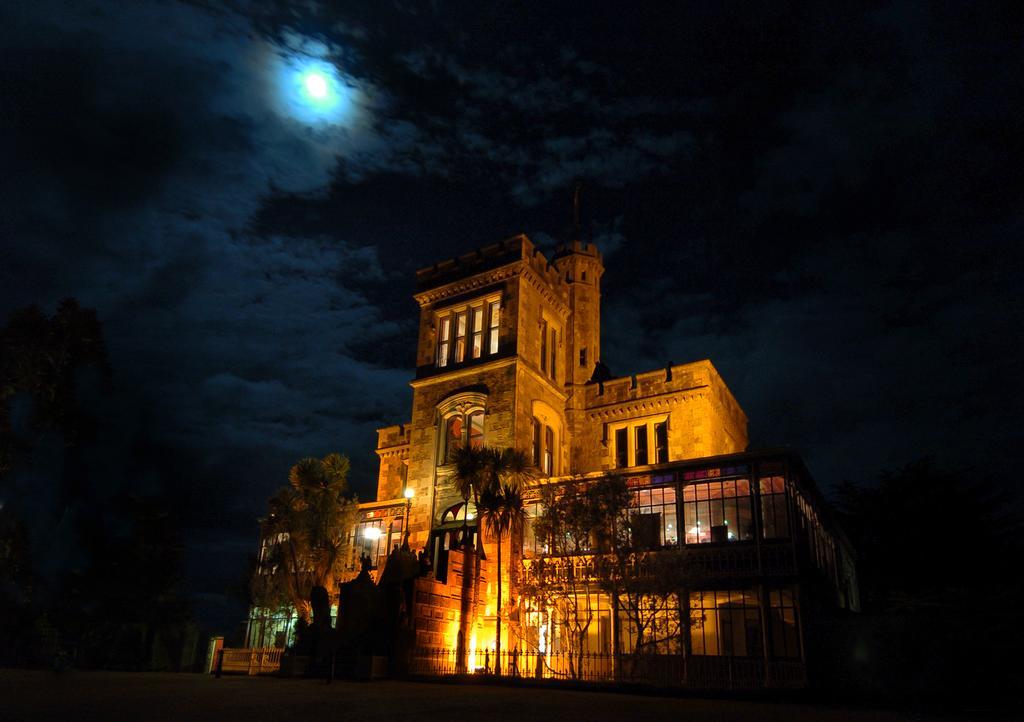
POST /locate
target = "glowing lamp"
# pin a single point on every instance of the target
(409, 492)
(372, 533)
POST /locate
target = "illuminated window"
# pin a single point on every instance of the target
(725, 623)
(653, 517)
(371, 541)
(460, 336)
(774, 513)
(658, 618)
(444, 338)
(718, 511)
(453, 437)
(470, 332)
(495, 321)
(460, 429)
(477, 339)
(531, 546)
(661, 442)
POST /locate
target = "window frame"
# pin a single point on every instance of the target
(467, 332)
(632, 426)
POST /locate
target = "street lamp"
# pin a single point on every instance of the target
(408, 509)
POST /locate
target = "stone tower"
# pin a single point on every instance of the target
(581, 267)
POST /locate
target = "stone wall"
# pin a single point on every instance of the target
(437, 605)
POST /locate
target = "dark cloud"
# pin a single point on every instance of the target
(825, 201)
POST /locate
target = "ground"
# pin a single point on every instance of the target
(33, 695)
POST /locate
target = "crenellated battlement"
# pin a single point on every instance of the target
(674, 379)
(392, 436)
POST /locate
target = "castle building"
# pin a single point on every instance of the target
(509, 355)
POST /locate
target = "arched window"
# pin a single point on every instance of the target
(461, 429)
(460, 420)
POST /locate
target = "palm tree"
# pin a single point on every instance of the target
(472, 475)
(501, 511)
(307, 532)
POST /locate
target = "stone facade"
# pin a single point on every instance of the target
(509, 355)
(543, 368)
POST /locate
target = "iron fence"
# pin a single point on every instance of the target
(655, 670)
(246, 660)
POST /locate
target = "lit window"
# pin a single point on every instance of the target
(444, 339)
(718, 511)
(495, 322)
(725, 624)
(653, 517)
(460, 336)
(453, 437)
(460, 430)
(470, 332)
(477, 345)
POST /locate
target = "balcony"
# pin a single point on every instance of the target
(739, 560)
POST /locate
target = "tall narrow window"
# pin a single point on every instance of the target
(544, 346)
(536, 443)
(774, 513)
(583, 357)
(661, 442)
(477, 324)
(640, 433)
(476, 429)
(454, 432)
(444, 338)
(785, 637)
(549, 451)
(554, 354)
(621, 448)
(460, 336)
(495, 322)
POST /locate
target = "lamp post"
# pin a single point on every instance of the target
(408, 510)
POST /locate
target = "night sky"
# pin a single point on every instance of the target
(825, 200)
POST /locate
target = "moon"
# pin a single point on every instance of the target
(316, 85)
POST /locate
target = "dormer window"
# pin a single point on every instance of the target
(468, 332)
